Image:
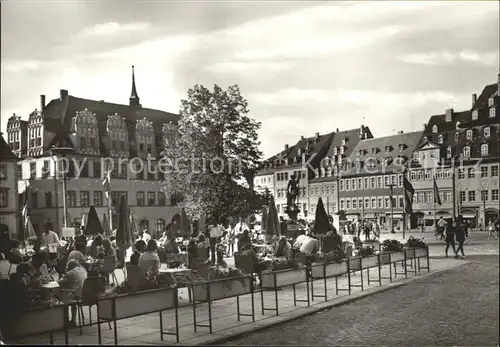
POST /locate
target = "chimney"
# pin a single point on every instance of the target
(448, 115)
(337, 130)
(286, 147)
(361, 131)
(302, 138)
(42, 103)
(474, 99)
(317, 135)
(63, 93)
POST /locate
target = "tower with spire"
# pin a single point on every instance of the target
(134, 98)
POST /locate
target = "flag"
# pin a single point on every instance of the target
(408, 195)
(106, 183)
(436, 193)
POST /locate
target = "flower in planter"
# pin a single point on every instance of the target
(392, 246)
(415, 243)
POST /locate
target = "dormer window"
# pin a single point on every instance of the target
(435, 129)
(344, 141)
(484, 149)
(299, 151)
(458, 125)
(491, 102)
(475, 114)
(487, 132)
(361, 151)
(335, 151)
(468, 134)
(466, 151)
(440, 139)
(424, 139)
(401, 147)
(415, 155)
(492, 112)
(448, 153)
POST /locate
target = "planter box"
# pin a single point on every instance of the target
(325, 270)
(222, 289)
(369, 262)
(354, 264)
(277, 279)
(420, 252)
(137, 303)
(397, 256)
(410, 253)
(35, 321)
(385, 258)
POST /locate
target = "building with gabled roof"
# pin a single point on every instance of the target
(127, 138)
(9, 213)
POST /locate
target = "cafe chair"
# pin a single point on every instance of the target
(92, 287)
(109, 267)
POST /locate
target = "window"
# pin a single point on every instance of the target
(401, 203)
(97, 199)
(379, 182)
(461, 174)
(447, 196)
(484, 195)
(360, 183)
(393, 179)
(348, 204)
(151, 198)
(472, 195)
(494, 194)
(484, 149)
(162, 201)
(420, 175)
(448, 153)
(374, 203)
(387, 203)
(380, 203)
(435, 129)
(415, 155)
(115, 198)
(341, 185)
(367, 203)
(48, 199)
(457, 135)
(367, 183)
(342, 204)
(494, 171)
(32, 170)
(420, 197)
(413, 176)
(373, 182)
(347, 185)
(492, 112)
(151, 172)
(4, 197)
(159, 227)
(354, 203)
(474, 115)
(360, 203)
(462, 196)
(440, 139)
(71, 198)
(467, 151)
(428, 174)
(84, 198)
(3, 172)
(353, 182)
(468, 134)
(140, 198)
(491, 101)
(439, 174)
(386, 181)
(487, 132)
(97, 169)
(400, 180)
(471, 172)
(429, 197)
(46, 169)
(123, 171)
(484, 171)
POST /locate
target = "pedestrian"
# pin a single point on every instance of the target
(215, 233)
(450, 239)
(491, 230)
(440, 229)
(460, 236)
(497, 226)
(376, 229)
(357, 228)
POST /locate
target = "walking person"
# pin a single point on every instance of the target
(215, 233)
(450, 239)
(491, 230)
(460, 236)
(441, 226)
(497, 226)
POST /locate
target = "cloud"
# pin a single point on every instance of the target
(450, 58)
(249, 68)
(112, 29)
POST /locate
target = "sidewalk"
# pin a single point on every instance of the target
(145, 329)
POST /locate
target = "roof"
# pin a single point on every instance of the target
(378, 150)
(488, 91)
(58, 115)
(5, 151)
(352, 137)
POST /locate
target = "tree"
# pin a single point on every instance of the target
(215, 147)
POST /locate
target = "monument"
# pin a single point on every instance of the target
(292, 193)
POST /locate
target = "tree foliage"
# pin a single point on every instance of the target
(215, 147)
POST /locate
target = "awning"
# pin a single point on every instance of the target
(468, 214)
(445, 215)
(492, 210)
(369, 215)
(395, 216)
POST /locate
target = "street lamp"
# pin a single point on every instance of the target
(63, 152)
(391, 192)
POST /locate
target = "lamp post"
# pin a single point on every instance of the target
(391, 192)
(63, 152)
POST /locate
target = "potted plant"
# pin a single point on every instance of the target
(330, 264)
(368, 257)
(415, 248)
(392, 250)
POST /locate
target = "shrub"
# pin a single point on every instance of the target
(415, 243)
(392, 246)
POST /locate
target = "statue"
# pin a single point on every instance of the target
(292, 193)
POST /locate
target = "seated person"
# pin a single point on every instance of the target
(140, 247)
(38, 266)
(283, 249)
(300, 239)
(108, 250)
(14, 255)
(73, 280)
(310, 245)
(202, 242)
(149, 262)
(95, 246)
(170, 244)
(332, 241)
(244, 240)
(78, 254)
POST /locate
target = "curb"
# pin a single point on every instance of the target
(323, 306)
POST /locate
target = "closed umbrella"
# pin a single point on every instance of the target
(273, 223)
(265, 217)
(321, 222)
(105, 225)
(185, 224)
(175, 224)
(133, 225)
(123, 232)
(93, 225)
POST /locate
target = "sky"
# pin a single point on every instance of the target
(304, 67)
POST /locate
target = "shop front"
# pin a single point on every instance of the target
(491, 214)
(398, 221)
(470, 216)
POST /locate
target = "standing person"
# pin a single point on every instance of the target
(441, 226)
(283, 226)
(366, 229)
(357, 228)
(491, 230)
(450, 239)
(215, 233)
(466, 230)
(376, 229)
(497, 226)
(230, 240)
(460, 236)
(145, 236)
(48, 236)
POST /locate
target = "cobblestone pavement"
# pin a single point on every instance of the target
(454, 307)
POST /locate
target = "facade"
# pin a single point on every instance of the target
(9, 213)
(124, 139)
(464, 147)
(372, 175)
(324, 184)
